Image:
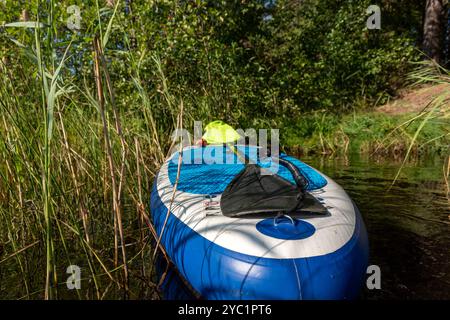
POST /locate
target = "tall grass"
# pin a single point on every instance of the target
(429, 72)
(76, 170)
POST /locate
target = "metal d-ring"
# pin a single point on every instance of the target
(279, 215)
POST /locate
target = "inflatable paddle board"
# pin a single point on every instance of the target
(301, 255)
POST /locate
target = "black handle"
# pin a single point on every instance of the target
(299, 178)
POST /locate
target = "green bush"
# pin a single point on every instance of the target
(321, 55)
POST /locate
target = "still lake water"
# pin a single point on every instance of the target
(408, 225)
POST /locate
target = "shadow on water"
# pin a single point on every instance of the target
(408, 225)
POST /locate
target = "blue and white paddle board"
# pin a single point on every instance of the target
(307, 257)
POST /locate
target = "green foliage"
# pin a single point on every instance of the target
(372, 132)
(234, 63)
(321, 55)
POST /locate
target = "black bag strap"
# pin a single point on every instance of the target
(299, 178)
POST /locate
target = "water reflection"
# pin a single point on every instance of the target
(408, 224)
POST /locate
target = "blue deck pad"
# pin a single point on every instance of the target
(209, 170)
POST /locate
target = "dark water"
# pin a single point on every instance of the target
(408, 224)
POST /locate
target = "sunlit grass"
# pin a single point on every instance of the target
(61, 202)
(438, 107)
